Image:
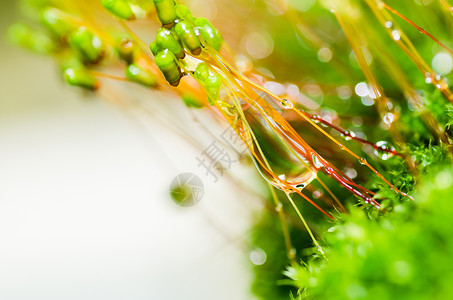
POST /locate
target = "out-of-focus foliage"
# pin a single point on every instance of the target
(405, 254)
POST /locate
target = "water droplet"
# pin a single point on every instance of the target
(316, 162)
(383, 145)
(258, 257)
(342, 147)
(362, 161)
(279, 207)
(287, 104)
(396, 35)
(349, 135)
(429, 78)
(388, 118)
(388, 24)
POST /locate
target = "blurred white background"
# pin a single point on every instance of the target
(84, 206)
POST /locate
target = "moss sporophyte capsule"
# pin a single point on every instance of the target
(81, 78)
(140, 75)
(126, 50)
(183, 13)
(167, 63)
(87, 45)
(209, 80)
(120, 8)
(209, 33)
(185, 32)
(166, 11)
(165, 39)
(56, 22)
(31, 39)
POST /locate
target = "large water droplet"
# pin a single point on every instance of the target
(383, 154)
(287, 104)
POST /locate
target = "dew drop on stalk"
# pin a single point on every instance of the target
(383, 154)
(342, 147)
(389, 118)
(396, 35)
(429, 78)
(287, 104)
(348, 135)
(317, 118)
(388, 24)
(279, 207)
(362, 161)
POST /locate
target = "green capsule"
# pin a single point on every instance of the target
(185, 32)
(209, 80)
(166, 11)
(209, 33)
(87, 45)
(165, 39)
(154, 48)
(140, 75)
(183, 13)
(81, 78)
(31, 39)
(126, 50)
(56, 21)
(167, 63)
(120, 8)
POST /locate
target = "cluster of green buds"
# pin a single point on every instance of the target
(85, 47)
(181, 34)
(81, 48)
